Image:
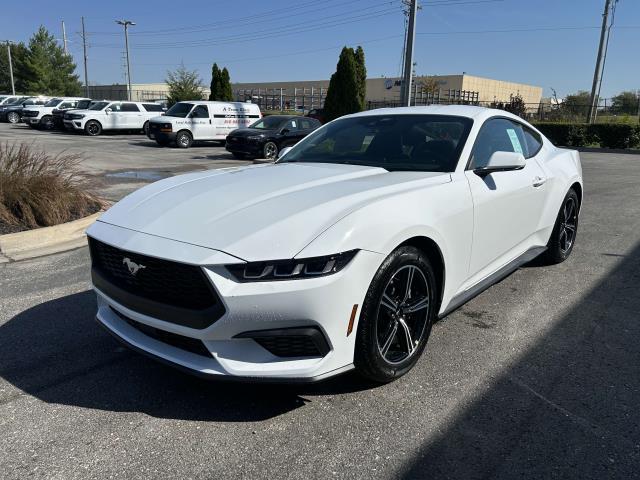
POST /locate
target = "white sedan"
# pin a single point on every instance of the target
(340, 255)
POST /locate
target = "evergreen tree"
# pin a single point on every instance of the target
(47, 69)
(225, 83)
(18, 54)
(183, 85)
(215, 83)
(362, 76)
(343, 95)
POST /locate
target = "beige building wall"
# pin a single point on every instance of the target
(498, 90)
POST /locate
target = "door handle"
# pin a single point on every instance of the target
(539, 181)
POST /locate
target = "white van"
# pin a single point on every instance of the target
(198, 120)
(41, 116)
(107, 115)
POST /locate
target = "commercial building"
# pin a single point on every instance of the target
(310, 93)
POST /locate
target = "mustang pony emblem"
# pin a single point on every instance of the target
(132, 266)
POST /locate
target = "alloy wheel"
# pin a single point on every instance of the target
(403, 314)
(270, 150)
(13, 117)
(568, 225)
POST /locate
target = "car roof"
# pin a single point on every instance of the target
(216, 102)
(469, 111)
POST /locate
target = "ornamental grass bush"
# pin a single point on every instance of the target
(38, 189)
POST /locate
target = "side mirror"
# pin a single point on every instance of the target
(284, 131)
(107, 111)
(502, 162)
(284, 151)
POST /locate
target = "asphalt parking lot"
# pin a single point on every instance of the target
(115, 163)
(538, 377)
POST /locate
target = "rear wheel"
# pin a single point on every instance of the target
(13, 117)
(93, 128)
(184, 139)
(396, 317)
(565, 230)
(145, 128)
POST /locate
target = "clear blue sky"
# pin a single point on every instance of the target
(550, 43)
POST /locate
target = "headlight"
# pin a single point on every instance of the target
(297, 268)
(77, 116)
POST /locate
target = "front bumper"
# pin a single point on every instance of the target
(323, 303)
(244, 147)
(73, 124)
(166, 137)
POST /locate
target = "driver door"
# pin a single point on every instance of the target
(200, 123)
(507, 204)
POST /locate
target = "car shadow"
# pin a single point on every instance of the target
(566, 408)
(58, 353)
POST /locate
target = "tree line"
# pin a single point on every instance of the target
(39, 67)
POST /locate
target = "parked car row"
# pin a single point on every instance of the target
(240, 126)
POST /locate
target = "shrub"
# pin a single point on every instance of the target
(606, 135)
(40, 190)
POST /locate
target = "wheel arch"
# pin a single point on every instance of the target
(578, 189)
(432, 250)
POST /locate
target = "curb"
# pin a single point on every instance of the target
(45, 240)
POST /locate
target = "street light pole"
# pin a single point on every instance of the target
(125, 24)
(593, 105)
(13, 87)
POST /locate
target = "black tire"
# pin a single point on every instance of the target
(46, 123)
(145, 128)
(270, 151)
(184, 139)
(565, 231)
(93, 128)
(13, 117)
(382, 319)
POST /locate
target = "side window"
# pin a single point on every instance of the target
(498, 135)
(67, 105)
(116, 107)
(129, 107)
(307, 124)
(534, 141)
(201, 111)
(292, 125)
(152, 107)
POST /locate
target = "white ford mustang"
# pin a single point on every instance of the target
(340, 255)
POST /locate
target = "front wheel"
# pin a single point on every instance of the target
(145, 128)
(184, 139)
(565, 230)
(93, 128)
(397, 314)
(13, 117)
(46, 123)
(270, 151)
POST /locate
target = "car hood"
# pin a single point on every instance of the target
(251, 132)
(259, 212)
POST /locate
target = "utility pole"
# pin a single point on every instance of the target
(13, 87)
(64, 39)
(405, 96)
(125, 24)
(84, 48)
(593, 106)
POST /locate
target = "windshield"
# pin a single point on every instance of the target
(179, 110)
(53, 102)
(269, 123)
(98, 105)
(17, 101)
(430, 143)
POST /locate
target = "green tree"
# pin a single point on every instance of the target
(361, 74)
(625, 103)
(183, 85)
(342, 95)
(215, 83)
(18, 54)
(577, 103)
(220, 84)
(47, 69)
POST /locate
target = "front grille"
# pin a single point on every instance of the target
(29, 113)
(179, 341)
(167, 290)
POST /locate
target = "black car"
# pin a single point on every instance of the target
(13, 112)
(266, 137)
(58, 113)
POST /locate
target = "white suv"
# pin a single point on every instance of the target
(41, 116)
(107, 115)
